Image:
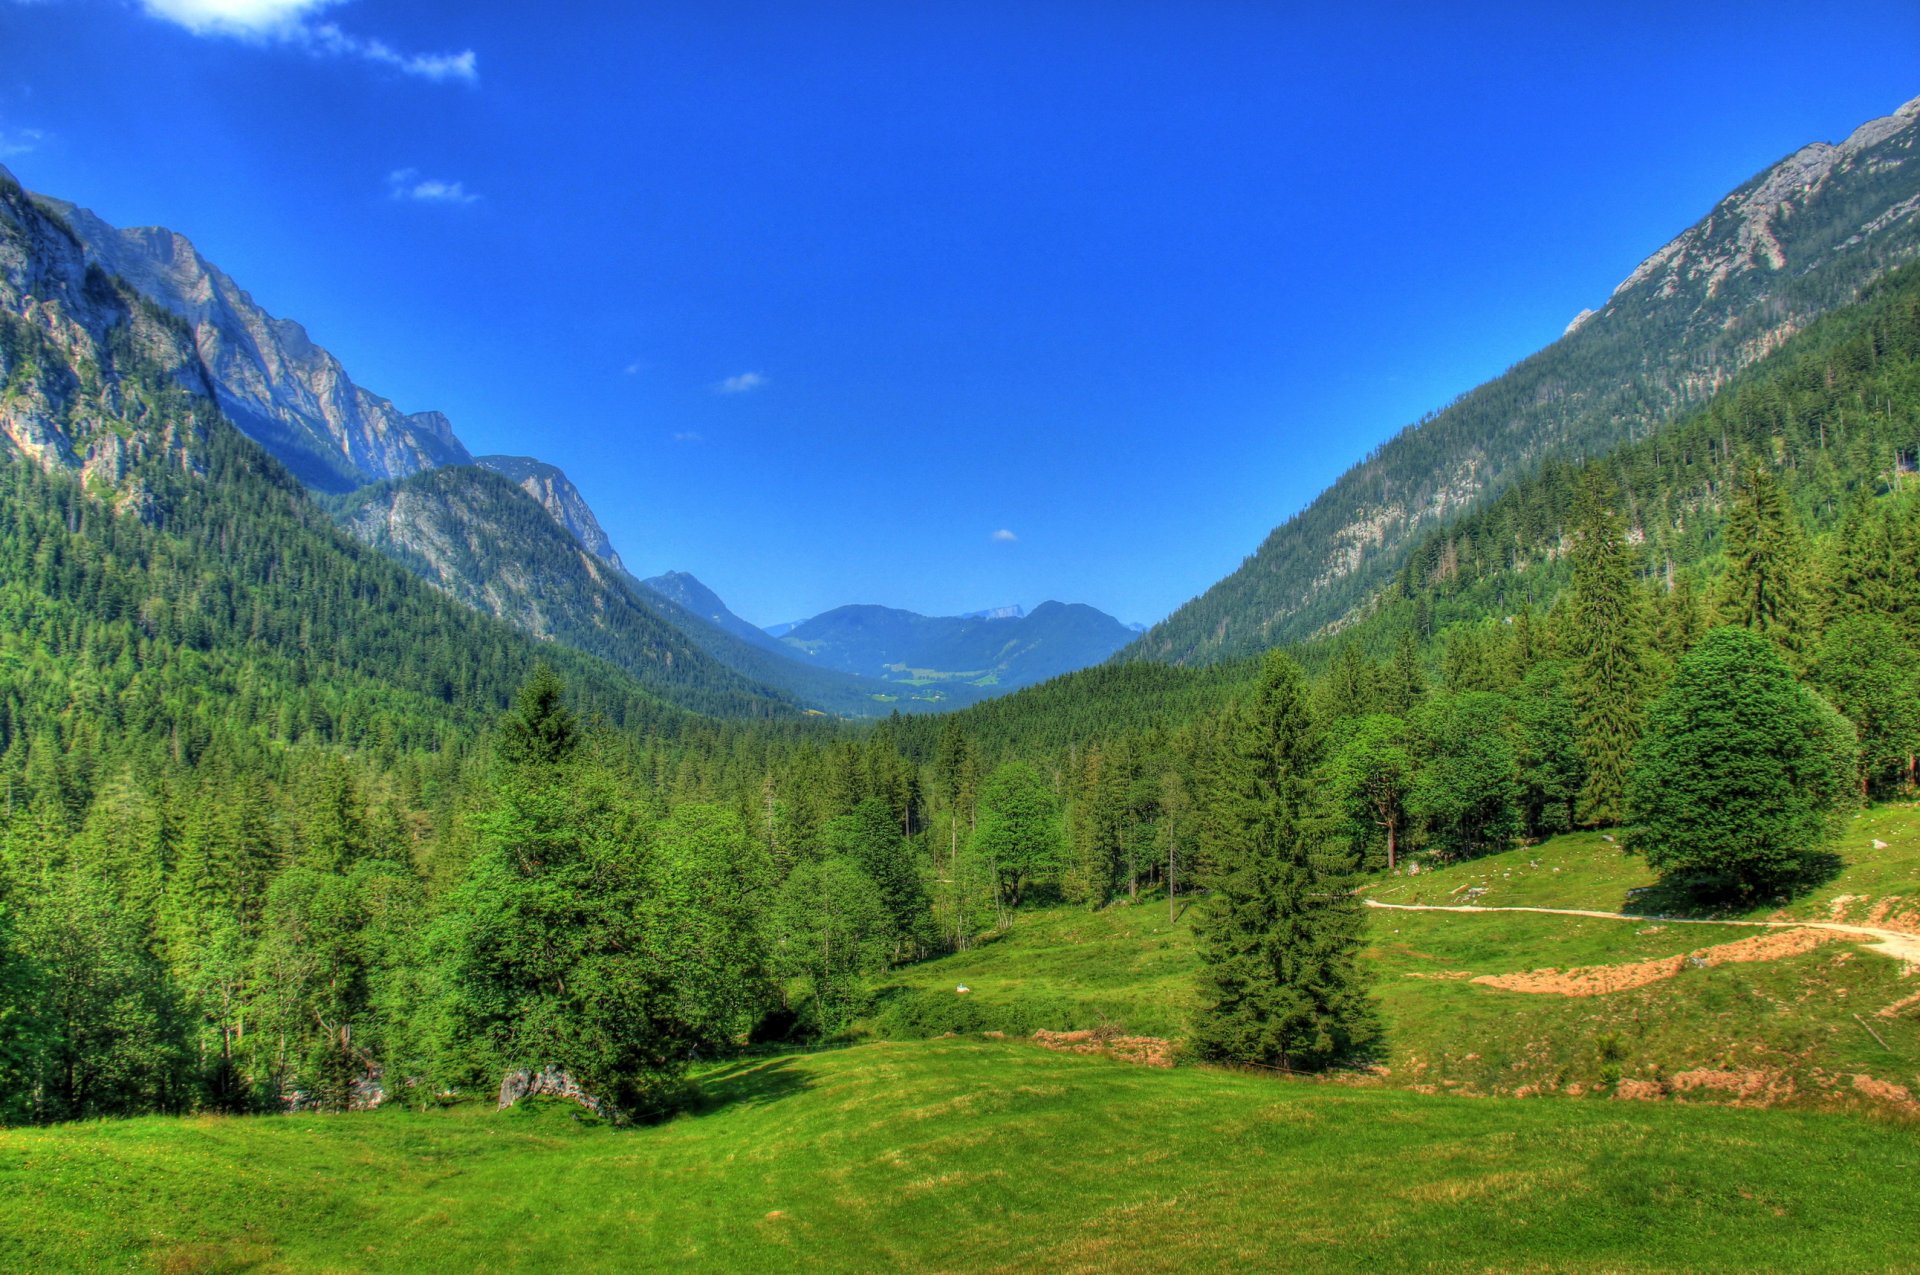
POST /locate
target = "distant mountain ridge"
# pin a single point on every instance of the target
(979, 650)
(1800, 239)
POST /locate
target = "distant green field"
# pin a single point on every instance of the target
(1587, 870)
(1777, 1031)
(977, 1156)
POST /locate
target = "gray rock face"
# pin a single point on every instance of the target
(286, 392)
(559, 497)
(65, 400)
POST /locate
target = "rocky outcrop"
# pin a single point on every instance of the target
(266, 373)
(91, 379)
(547, 1082)
(556, 494)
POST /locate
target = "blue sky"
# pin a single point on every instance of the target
(813, 301)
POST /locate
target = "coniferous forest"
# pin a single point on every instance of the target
(285, 828)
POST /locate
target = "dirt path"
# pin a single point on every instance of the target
(1894, 943)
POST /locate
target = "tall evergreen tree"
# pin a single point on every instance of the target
(1280, 937)
(1607, 635)
(1764, 588)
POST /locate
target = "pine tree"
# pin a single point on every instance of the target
(1280, 937)
(1608, 635)
(1764, 587)
(1405, 680)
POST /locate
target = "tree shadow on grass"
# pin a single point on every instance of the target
(1704, 897)
(750, 1082)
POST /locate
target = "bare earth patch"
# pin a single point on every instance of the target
(1145, 1051)
(1901, 1006)
(1598, 980)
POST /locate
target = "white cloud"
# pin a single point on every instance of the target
(745, 383)
(1003, 537)
(19, 141)
(408, 184)
(687, 436)
(438, 67)
(287, 21)
(236, 17)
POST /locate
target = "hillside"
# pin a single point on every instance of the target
(1803, 237)
(970, 1155)
(554, 492)
(477, 535)
(1767, 1018)
(164, 570)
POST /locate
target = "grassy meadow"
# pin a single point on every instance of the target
(921, 1149)
(970, 1155)
(1797, 1027)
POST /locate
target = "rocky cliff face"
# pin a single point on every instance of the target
(288, 393)
(84, 363)
(555, 493)
(1803, 237)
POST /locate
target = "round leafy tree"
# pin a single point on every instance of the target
(1740, 771)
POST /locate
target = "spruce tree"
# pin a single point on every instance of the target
(1280, 937)
(1607, 634)
(1764, 587)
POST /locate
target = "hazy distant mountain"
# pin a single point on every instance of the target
(1800, 239)
(901, 646)
(696, 597)
(1011, 612)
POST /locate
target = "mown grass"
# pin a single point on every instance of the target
(970, 1155)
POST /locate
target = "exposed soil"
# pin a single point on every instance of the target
(1146, 1051)
(1598, 980)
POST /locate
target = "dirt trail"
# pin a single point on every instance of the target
(1895, 943)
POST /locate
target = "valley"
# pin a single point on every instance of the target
(1511, 864)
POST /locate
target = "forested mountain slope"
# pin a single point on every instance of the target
(481, 538)
(166, 572)
(1834, 418)
(554, 492)
(1798, 240)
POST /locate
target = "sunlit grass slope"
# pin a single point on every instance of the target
(1797, 1027)
(972, 1155)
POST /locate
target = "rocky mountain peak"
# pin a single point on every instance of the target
(268, 375)
(555, 493)
(1746, 231)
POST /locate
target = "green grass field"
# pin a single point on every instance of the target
(971, 1155)
(1774, 1031)
(921, 1150)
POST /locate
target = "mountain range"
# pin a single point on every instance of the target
(508, 535)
